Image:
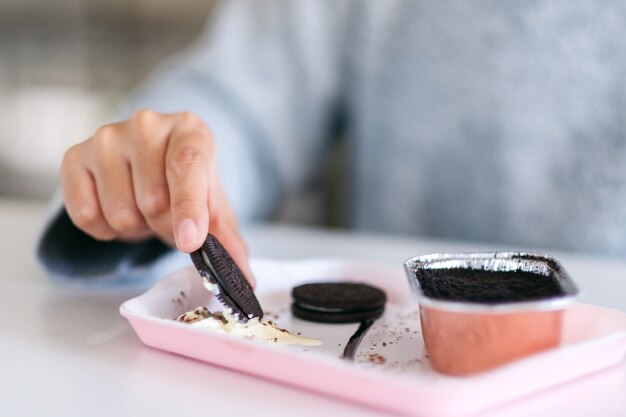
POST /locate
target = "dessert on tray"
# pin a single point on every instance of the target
(242, 315)
(340, 302)
(392, 369)
(482, 310)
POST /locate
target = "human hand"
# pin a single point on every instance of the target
(151, 175)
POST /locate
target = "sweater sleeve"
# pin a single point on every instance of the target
(265, 77)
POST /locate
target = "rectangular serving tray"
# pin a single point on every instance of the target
(391, 370)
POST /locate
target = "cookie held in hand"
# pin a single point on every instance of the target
(230, 286)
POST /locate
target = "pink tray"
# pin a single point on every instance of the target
(391, 370)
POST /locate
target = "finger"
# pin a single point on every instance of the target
(219, 199)
(235, 246)
(81, 201)
(187, 161)
(147, 157)
(224, 225)
(114, 186)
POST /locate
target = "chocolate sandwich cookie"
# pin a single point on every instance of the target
(233, 291)
(337, 302)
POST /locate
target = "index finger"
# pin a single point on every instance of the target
(187, 166)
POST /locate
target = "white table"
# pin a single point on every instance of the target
(67, 352)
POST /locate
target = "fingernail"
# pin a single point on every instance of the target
(187, 233)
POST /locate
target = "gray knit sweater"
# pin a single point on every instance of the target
(493, 120)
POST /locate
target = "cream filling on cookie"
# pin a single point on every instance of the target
(253, 329)
(213, 288)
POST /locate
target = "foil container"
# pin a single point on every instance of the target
(463, 337)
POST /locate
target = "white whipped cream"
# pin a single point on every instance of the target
(253, 329)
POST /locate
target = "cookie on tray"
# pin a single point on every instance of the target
(337, 302)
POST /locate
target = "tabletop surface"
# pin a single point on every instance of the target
(67, 351)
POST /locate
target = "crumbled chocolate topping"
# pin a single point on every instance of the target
(485, 286)
(198, 314)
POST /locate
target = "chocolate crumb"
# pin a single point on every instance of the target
(487, 286)
(376, 358)
(384, 343)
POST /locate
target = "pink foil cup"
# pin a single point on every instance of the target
(466, 337)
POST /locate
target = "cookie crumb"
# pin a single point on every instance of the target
(376, 358)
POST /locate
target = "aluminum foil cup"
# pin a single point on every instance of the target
(464, 337)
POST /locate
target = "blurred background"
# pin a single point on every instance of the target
(64, 64)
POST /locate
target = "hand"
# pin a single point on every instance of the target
(151, 175)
